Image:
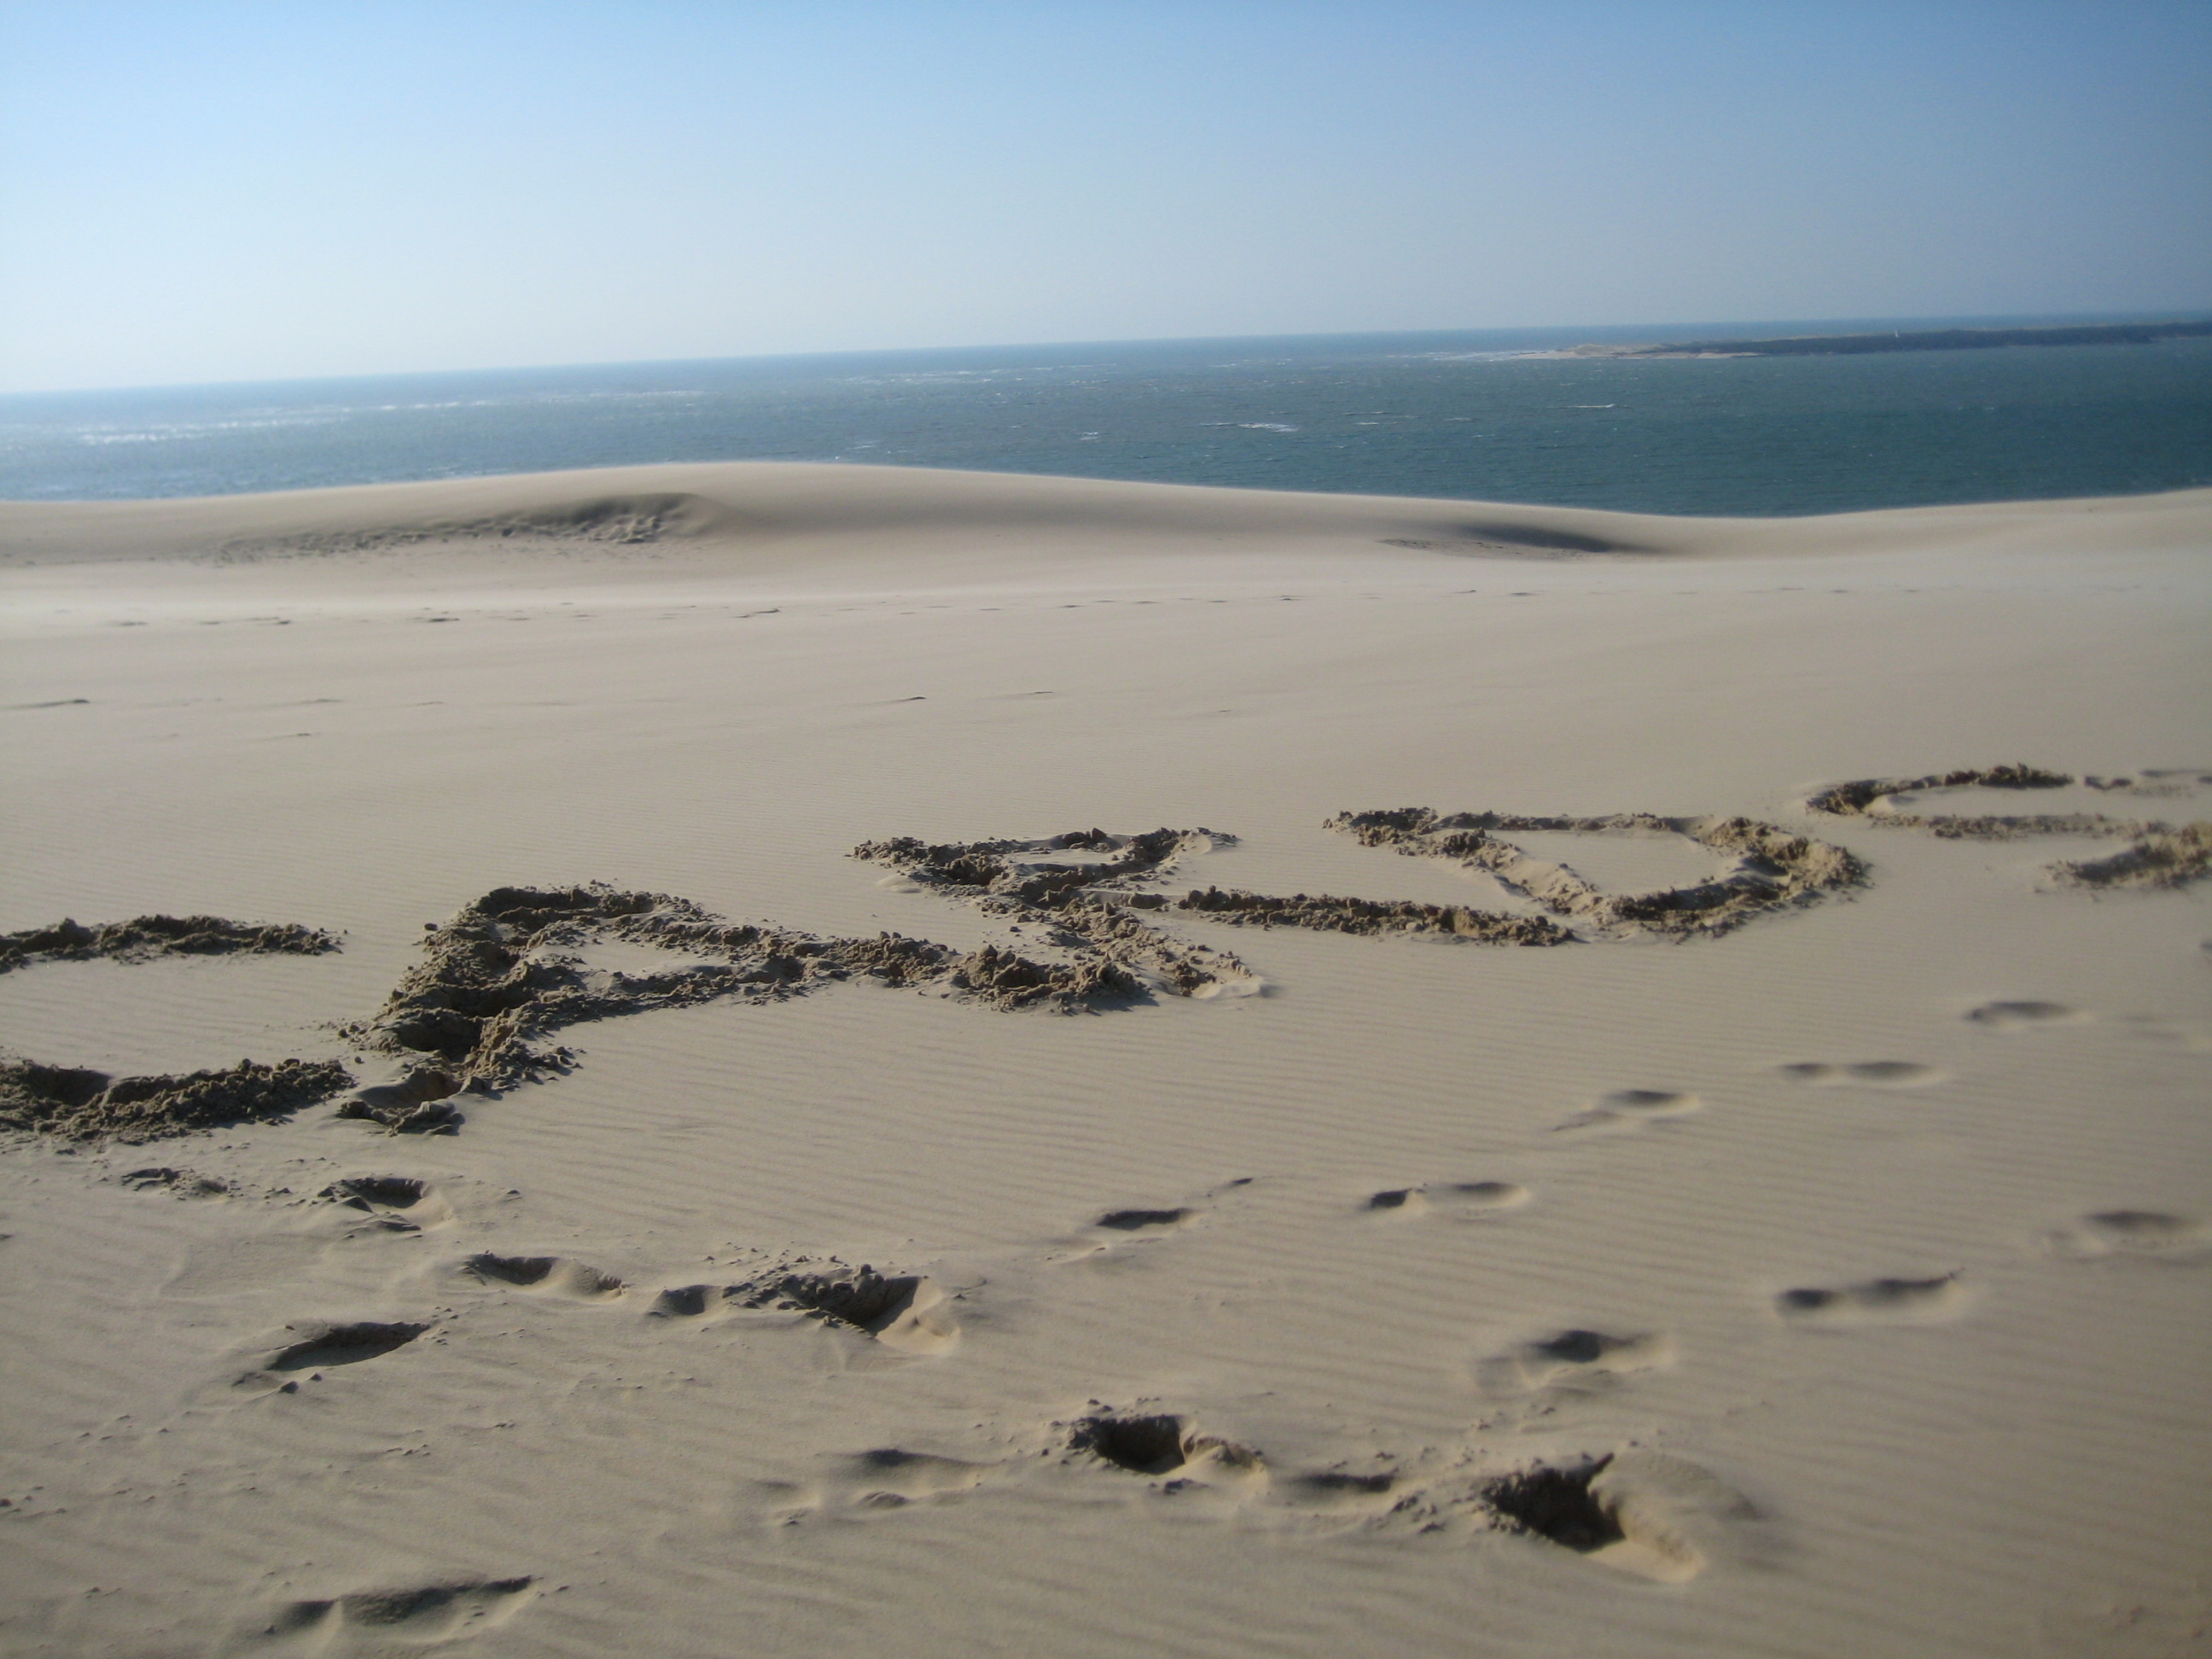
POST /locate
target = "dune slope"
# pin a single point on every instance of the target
(1654, 1201)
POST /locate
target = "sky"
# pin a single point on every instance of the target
(199, 192)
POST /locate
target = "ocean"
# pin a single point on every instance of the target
(1462, 415)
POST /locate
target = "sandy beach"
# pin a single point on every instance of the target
(1648, 1096)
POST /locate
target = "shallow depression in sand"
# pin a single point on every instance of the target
(1635, 863)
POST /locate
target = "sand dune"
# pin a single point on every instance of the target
(780, 513)
(927, 1062)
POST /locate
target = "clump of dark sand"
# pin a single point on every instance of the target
(1330, 914)
(1858, 799)
(144, 938)
(2171, 857)
(503, 976)
(1081, 890)
(78, 1104)
(1768, 868)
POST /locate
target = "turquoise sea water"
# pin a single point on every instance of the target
(1449, 415)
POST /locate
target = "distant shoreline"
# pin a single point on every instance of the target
(1940, 339)
(1465, 417)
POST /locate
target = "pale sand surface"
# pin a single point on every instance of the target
(296, 709)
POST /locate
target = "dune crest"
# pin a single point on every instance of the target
(767, 513)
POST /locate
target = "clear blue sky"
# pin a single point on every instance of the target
(203, 192)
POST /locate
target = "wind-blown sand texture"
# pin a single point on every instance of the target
(711, 1094)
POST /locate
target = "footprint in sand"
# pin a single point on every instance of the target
(1107, 1238)
(2144, 1235)
(890, 1477)
(690, 1301)
(1869, 1073)
(397, 1203)
(1447, 1197)
(1165, 1447)
(1164, 1444)
(545, 1275)
(1575, 1360)
(1112, 1230)
(1630, 1108)
(862, 1485)
(1875, 1301)
(1144, 1221)
(1639, 1512)
(903, 1311)
(2024, 1016)
(419, 1615)
(323, 1346)
(319, 1347)
(179, 1184)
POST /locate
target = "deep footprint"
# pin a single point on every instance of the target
(1643, 1513)
(551, 1274)
(1143, 1445)
(1130, 1221)
(397, 1203)
(688, 1301)
(1556, 1503)
(343, 1345)
(900, 1311)
(377, 1192)
(1161, 1442)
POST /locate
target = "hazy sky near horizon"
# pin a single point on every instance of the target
(201, 192)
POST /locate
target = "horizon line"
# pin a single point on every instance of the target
(1867, 324)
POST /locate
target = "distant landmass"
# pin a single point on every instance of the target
(1934, 339)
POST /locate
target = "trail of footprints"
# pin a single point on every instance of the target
(1642, 1511)
(1634, 1509)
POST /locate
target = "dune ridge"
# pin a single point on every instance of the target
(775, 509)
